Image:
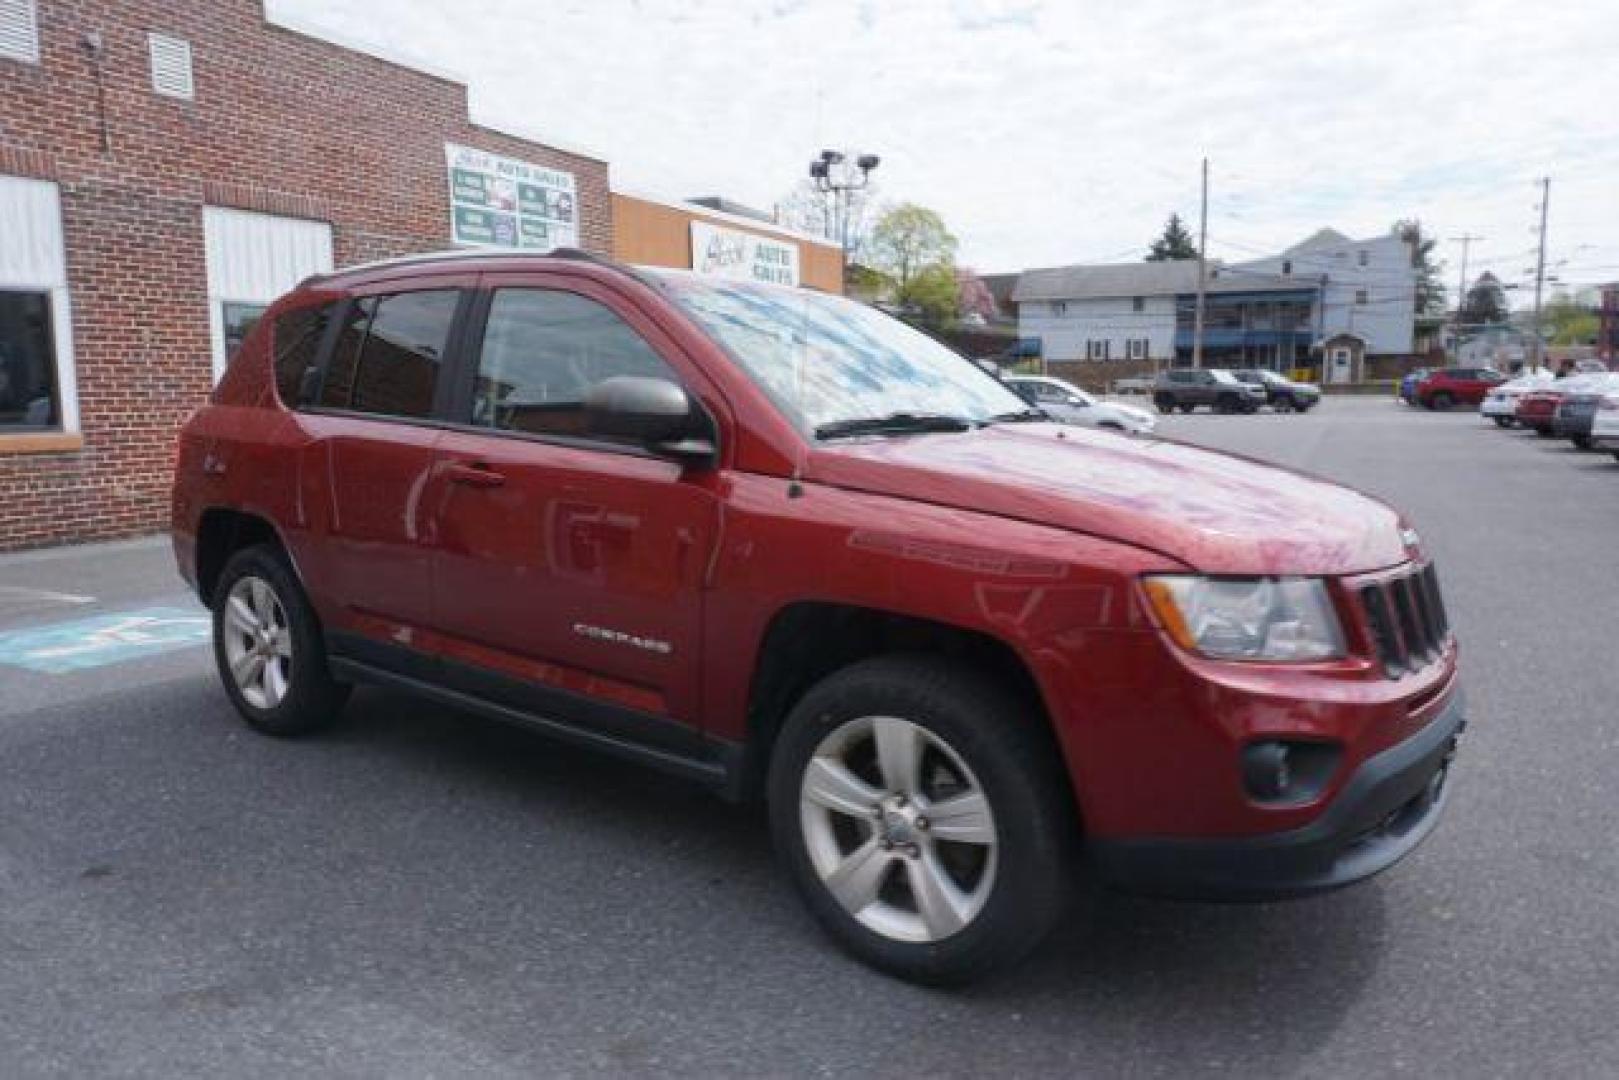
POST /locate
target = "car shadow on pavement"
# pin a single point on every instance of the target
(1176, 974)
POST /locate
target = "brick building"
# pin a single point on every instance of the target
(167, 168)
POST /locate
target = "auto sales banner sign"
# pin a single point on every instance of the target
(500, 202)
(735, 254)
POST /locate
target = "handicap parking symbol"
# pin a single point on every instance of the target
(103, 639)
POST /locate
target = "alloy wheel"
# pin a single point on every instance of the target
(258, 642)
(898, 829)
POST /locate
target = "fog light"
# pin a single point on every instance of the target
(1277, 771)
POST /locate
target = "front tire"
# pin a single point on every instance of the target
(269, 647)
(1583, 442)
(1440, 402)
(1164, 403)
(923, 818)
(1503, 421)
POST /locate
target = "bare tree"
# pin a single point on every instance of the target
(812, 211)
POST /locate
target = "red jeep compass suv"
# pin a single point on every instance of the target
(780, 543)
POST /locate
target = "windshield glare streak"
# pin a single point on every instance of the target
(827, 359)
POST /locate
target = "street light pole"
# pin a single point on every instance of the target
(834, 176)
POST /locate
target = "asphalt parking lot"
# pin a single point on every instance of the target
(420, 893)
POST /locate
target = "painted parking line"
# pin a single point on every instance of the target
(115, 638)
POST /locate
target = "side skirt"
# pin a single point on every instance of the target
(653, 741)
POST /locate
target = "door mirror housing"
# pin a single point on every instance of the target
(656, 413)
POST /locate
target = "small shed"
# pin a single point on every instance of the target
(1343, 358)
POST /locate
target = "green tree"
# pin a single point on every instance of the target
(932, 292)
(1569, 323)
(1430, 292)
(911, 245)
(1175, 243)
(1486, 302)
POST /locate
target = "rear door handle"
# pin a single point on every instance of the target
(475, 475)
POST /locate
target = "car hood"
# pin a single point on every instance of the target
(1214, 512)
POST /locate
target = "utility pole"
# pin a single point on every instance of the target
(1202, 270)
(1538, 349)
(1466, 240)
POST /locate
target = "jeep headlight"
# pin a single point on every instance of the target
(1278, 619)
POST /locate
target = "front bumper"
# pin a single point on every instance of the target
(1387, 808)
(1605, 429)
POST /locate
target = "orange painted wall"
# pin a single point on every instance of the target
(652, 234)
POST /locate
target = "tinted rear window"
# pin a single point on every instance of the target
(296, 341)
(389, 352)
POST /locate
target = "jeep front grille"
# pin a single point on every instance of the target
(1407, 619)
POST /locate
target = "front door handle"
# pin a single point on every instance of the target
(475, 475)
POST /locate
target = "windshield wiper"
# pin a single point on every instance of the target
(898, 423)
(1022, 416)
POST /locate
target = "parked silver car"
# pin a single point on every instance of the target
(1068, 403)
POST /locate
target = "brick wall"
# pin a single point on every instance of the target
(281, 123)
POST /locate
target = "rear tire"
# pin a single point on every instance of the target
(1187, 409)
(1543, 432)
(1225, 404)
(862, 762)
(1284, 403)
(1164, 403)
(1503, 421)
(1440, 402)
(1583, 442)
(269, 647)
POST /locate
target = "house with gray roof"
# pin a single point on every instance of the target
(1277, 312)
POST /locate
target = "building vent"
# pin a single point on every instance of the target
(19, 31)
(171, 65)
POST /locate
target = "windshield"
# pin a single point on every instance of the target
(1222, 375)
(825, 359)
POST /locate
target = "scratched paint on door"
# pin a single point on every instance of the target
(114, 638)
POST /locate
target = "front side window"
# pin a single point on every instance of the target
(28, 391)
(543, 350)
(389, 352)
(825, 359)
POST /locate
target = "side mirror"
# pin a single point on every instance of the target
(656, 413)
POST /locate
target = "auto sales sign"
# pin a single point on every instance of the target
(741, 255)
(501, 202)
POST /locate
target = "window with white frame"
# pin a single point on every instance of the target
(1361, 297)
(1360, 257)
(252, 259)
(19, 31)
(1136, 348)
(37, 388)
(1138, 304)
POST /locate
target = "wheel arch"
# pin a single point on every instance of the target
(807, 641)
(221, 533)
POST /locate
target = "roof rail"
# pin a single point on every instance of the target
(459, 254)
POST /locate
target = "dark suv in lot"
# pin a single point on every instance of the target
(1281, 393)
(1187, 388)
(782, 544)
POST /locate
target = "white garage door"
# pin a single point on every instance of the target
(252, 259)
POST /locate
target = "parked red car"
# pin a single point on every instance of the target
(780, 543)
(1537, 410)
(1456, 386)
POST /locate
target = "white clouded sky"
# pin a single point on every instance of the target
(1067, 130)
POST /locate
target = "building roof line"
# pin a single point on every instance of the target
(410, 61)
(698, 210)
